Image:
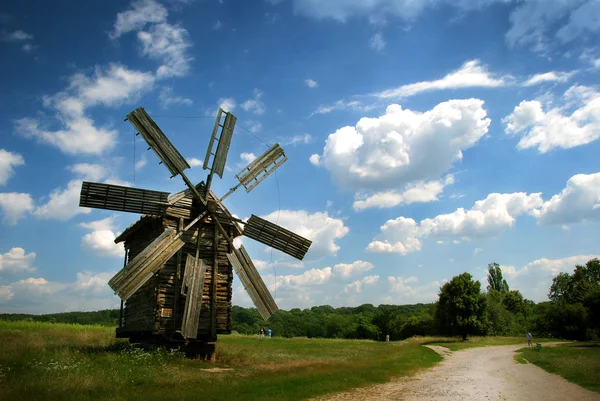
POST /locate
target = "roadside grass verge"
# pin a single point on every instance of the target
(577, 362)
(457, 344)
(45, 361)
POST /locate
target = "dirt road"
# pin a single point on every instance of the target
(489, 373)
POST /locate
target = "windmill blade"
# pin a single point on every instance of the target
(145, 264)
(276, 237)
(193, 282)
(261, 167)
(220, 156)
(252, 282)
(158, 141)
(123, 199)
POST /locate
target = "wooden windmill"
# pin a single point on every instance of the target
(176, 282)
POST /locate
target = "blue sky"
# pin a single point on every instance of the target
(424, 139)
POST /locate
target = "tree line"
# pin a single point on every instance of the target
(462, 309)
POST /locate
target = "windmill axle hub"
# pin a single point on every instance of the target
(212, 206)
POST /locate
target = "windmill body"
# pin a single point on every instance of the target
(176, 283)
(157, 307)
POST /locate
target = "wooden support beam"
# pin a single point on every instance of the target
(213, 300)
(177, 281)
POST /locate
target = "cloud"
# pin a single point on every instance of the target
(63, 203)
(488, 217)
(88, 171)
(318, 227)
(552, 76)
(377, 42)
(575, 124)
(358, 286)
(15, 206)
(533, 23)
(16, 261)
(8, 161)
(227, 104)
(254, 126)
(15, 36)
(579, 201)
(296, 139)
(89, 292)
(168, 43)
(166, 98)
(347, 270)
(421, 191)
(160, 40)
(110, 86)
(376, 10)
(248, 157)
(402, 290)
(353, 105)
(307, 278)
(470, 75)
(534, 279)
(310, 83)
(477, 250)
(101, 241)
(193, 162)
(217, 25)
(403, 146)
(255, 104)
(142, 13)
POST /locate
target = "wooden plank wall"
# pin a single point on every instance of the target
(148, 309)
(139, 311)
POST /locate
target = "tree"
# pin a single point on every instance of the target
(513, 302)
(461, 308)
(495, 280)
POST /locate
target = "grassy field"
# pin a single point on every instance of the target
(576, 362)
(44, 361)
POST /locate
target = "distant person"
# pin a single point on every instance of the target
(529, 338)
(262, 333)
(269, 332)
(387, 338)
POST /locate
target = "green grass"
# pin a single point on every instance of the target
(521, 360)
(63, 362)
(456, 344)
(577, 362)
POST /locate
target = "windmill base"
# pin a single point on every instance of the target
(195, 349)
(200, 350)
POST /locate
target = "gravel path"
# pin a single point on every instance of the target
(489, 373)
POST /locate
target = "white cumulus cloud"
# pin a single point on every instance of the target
(101, 239)
(15, 206)
(576, 123)
(17, 261)
(421, 191)
(347, 270)
(579, 201)
(403, 146)
(319, 227)
(488, 217)
(8, 161)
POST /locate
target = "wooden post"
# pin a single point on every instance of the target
(176, 284)
(213, 300)
(122, 303)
